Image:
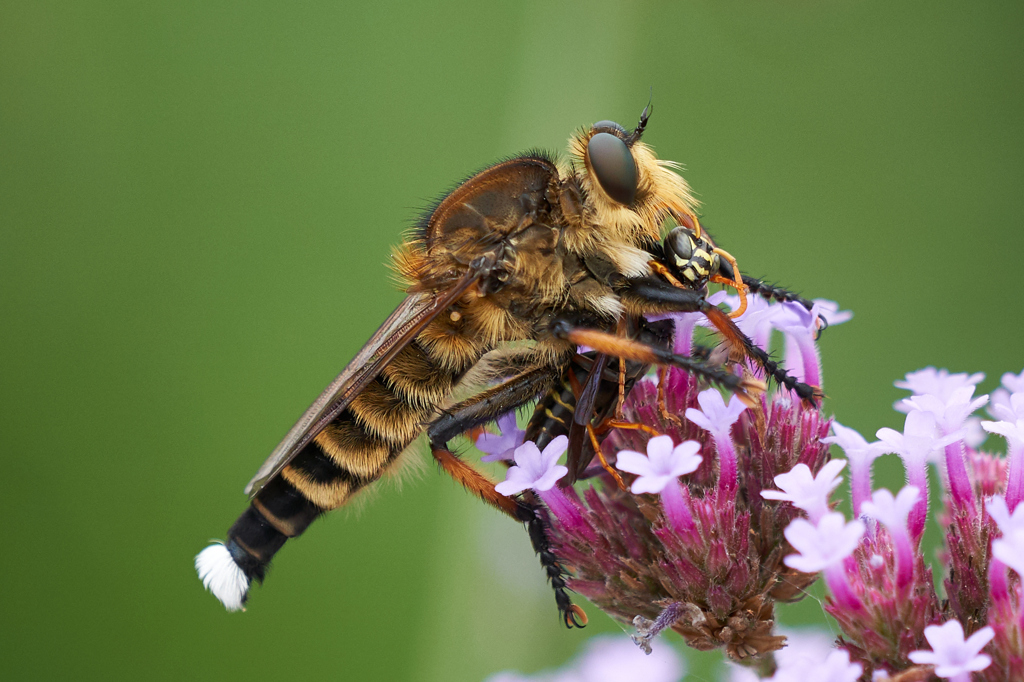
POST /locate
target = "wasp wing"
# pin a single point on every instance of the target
(401, 327)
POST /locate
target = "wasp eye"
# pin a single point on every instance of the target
(614, 167)
(679, 246)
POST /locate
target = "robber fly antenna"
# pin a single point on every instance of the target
(644, 116)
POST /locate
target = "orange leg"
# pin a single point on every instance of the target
(666, 273)
(613, 345)
(737, 283)
(609, 424)
(604, 462)
(475, 482)
(663, 400)
(621, 330)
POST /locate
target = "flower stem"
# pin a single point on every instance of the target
(904, 556)
(959, 483)
(1015, 475)
(917, 476)
(998, 587)
(567, 513)
(860, 483)
(675, 501)
(811, 359)
(839, 585)
(727, 476)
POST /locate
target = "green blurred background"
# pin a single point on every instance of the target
(196, 202)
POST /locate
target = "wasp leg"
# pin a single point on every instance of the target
(736, 281)
(611, 344)
(663, 399)
(482, 408)
(604, 462)
(664, 297)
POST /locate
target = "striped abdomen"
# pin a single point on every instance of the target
(555, 411)
(353, 451)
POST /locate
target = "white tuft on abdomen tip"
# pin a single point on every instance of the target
(222, 576)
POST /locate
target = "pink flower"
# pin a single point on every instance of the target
(953, 657)
(609, 658)
(715, 415)
(501, 446)
(937, 382)
(1011, 424)
(662, 464)
(535, 469)
(1000, 513)
(823, 544)
(861, 455)
(1010, 547)
(1011, 383)
(807, 491)
(800, 326)
(893, 512)
(950, 411)
(914, 446)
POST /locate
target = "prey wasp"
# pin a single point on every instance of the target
(507, 276)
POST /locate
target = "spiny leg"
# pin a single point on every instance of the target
(774, 293)
(572, 615)
(764, 290)
(664, 297)
(488, 406)
(727, 328)
(610, 344)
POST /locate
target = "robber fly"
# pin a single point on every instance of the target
(527, 250)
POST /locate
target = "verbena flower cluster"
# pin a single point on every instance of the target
(729, 510)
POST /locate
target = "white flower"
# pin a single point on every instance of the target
(892, 512)
(535, 469)
(662, 464)
(951, 655)
(823, 545)
(806, 491)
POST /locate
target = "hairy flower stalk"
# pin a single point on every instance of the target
(689, 543)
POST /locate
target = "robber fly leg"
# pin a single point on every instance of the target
(662, 297)
(480, 409)
(571, 614)
(477, 410)
(763, 289)
(631, 349)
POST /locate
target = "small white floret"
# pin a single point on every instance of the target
(222, 576)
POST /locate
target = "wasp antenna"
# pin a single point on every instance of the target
(222, 576)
